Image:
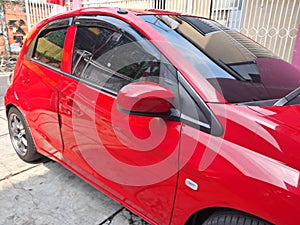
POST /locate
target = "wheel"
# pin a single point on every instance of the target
(233, 218)
(21, 138)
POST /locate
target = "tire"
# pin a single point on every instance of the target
(21, 137)
(233, 218)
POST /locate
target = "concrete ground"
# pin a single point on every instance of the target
(3, 86)
(47, 193)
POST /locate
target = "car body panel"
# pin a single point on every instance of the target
(38, 97)
(240, 166)
(93, 141)
(94, 144)
(281, 114)
(159, 167)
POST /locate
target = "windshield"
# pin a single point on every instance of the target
(239, 68)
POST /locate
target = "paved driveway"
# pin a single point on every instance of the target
(47, 193)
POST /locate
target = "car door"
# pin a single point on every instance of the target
(40, 72)
(134, 158)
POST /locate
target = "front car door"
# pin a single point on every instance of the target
(134, 158)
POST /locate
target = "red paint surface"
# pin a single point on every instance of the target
(253, 167)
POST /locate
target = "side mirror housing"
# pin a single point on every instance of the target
(145, 98)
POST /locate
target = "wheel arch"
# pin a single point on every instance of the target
(26, 150)
(8, 107)
(200, 216)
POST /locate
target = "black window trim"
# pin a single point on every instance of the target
(99, 21)
(89, 83)
(52, 25)
(95, 21)
(94, 85)
(214, 127)
(35, 47)
(55, 24)
(46, 65)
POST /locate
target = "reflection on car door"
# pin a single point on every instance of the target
(40, 74)
(135, 158)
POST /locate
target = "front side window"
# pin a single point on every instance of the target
(49, 47)
(110, 57)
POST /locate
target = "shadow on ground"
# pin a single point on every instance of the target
(49, 194)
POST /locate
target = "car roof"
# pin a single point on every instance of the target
(113, 11)
(123, 11)
(130, 16)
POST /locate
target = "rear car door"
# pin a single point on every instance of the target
(134, 158)
(40, 72)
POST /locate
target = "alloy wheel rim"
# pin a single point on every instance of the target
(18, 134)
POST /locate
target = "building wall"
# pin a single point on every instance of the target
(15, 17)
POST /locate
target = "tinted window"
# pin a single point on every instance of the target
(195, 112)
(49, 46)
(240, 69)
(191, 112)
(111, 57)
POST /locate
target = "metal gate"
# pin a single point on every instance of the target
(37, 10)
(195, 7)
(272, 23)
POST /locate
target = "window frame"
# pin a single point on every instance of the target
(109, 23)
(63, 23)
(213, 127)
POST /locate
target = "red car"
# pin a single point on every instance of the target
(178, 118)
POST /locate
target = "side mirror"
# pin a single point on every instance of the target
(145, 98)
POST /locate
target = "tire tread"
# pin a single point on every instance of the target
(233, 218)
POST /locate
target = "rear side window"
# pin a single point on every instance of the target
(49, 47)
